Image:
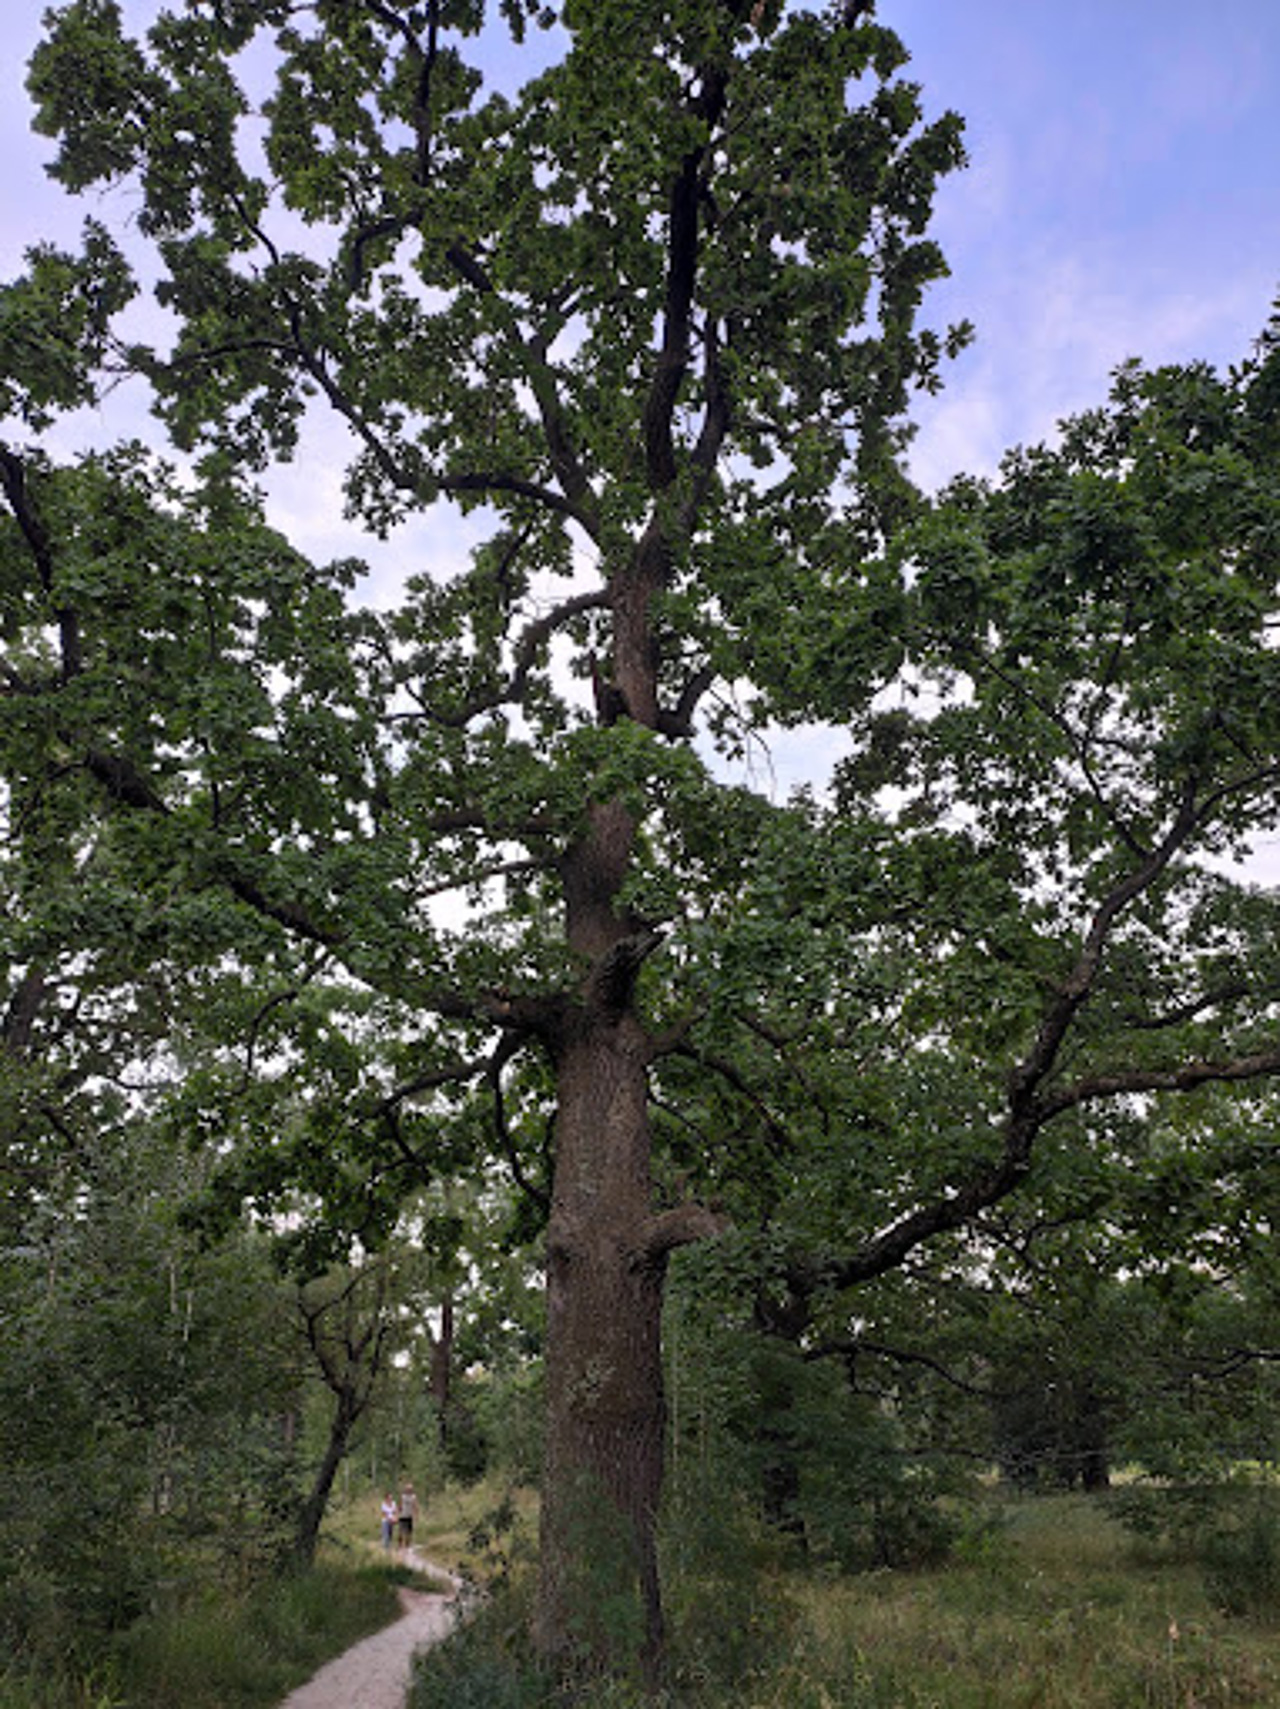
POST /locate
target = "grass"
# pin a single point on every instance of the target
(1058, 1608)
(248, 1652)
(223, 1652)
(1061, 1612)
(460, 1527)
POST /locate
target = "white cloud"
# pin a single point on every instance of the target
(1050, 339)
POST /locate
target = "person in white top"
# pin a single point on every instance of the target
(390, 1513)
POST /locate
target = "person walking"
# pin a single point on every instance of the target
(390, 1513)
(408, 1513)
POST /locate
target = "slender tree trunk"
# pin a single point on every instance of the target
(1093, 1457)
(312, 1512)
(440, 1375)
(782, 1323)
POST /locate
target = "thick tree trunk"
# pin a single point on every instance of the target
(599, 1594)
(599, 1601)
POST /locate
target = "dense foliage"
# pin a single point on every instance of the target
(446, 918)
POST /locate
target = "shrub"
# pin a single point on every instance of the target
(1241, 1558)
(1230, 1531)
(485, 1664)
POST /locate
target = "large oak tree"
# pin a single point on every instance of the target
(654, 316)
(656, 313)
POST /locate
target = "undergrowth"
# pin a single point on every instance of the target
(217, 1652)
(1057, 1607)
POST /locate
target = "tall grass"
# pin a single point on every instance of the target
(219, 1652)
(1056, 1608)
(1064, 1616)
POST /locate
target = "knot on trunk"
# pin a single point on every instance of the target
(615, 976)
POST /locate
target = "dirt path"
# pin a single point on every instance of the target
(374, 1674)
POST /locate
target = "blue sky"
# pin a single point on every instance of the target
(1123, 198)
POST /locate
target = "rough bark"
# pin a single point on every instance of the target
(604, 1372)
(599, 1599)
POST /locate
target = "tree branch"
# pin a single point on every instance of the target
(1193, 1007)
(678, 721)
(506, 1049)
(729, 1072)
(1078, 986)
(1027, 1111)
(1183, 1078)
(682, 270)
(526, 651)
(850, 1349)
(23, 1011)
(17, 491)
(613, 979)
(579, 498)
(668, 1230)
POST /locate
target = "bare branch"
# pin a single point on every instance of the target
(1182, 1078)
(292, 915)
(716, 421)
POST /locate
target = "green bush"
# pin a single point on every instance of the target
(1170, 1517)
(220, 1652)
(485, 1664)
(1230, 1531)
(1241, 1558)
(728, 1612)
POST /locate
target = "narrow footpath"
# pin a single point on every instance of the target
(374, 1674)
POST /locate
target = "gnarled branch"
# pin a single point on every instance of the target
(682, 1225)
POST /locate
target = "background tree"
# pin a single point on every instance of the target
(347, 1326)
(144, 1383)
(1056, 943)
(1013, 963)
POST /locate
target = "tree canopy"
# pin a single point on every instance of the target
(369, 899)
